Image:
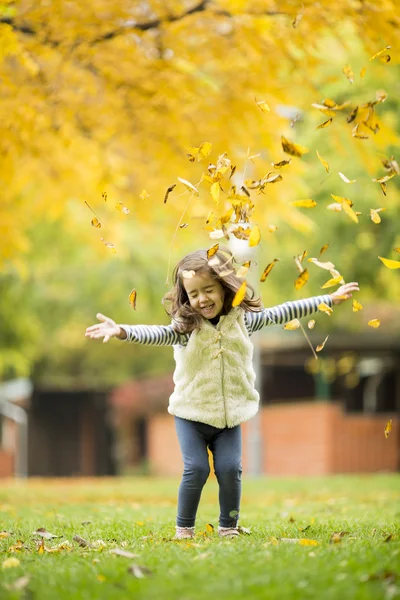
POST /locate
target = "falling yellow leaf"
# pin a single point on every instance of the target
(210, 218)
(380, 53)
(9, 563)
(324, 162)
(345, 179)
(375, 323)
(213, 250)
(396, 249)
(262, 105)
(293, 149)
(321, 346)
(109, 245)
(325, 308)
(322, 265)
(323, 249)
(385, 58)
(95, 222)
(215, 189)
(144, 195)
(345, 203)
(332, 282)
(311, 324)
(240, 294)
(390, 264)
(202, 152)
(132, 299)
(169, 190)
(104, 196)
(292, 325)
(357, 306)
(119, 206)
(325, 124)
(282, 163)
(242, 272)
(308, 203)
(189, 186)
(268, 270)
(255, 236)
(348, 72)
(388, 428)
(301, 280)
(362, 72)
(375, 218)
(272, 228)
(335, 207)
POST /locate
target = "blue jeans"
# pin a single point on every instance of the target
(226, 447)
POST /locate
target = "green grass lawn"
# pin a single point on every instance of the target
(137, 515)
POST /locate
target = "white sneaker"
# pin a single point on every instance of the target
(184, 533)
(229, 532)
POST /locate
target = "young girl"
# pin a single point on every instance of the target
(214, 377)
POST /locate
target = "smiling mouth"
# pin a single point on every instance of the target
(207, 308)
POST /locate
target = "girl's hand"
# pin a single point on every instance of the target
(106, 329)
(344, 292)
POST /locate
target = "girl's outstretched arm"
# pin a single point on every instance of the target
(153, 335)
(283, 313)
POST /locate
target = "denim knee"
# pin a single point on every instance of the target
(196, 474)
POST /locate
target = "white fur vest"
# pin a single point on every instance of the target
(214, 375)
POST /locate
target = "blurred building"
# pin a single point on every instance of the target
(316, 418)
(313, 421)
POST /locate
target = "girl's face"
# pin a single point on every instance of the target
(206, 295)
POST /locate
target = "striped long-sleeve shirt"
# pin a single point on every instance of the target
(165, 335)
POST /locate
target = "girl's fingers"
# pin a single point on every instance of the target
(101, 317)
(106, 338)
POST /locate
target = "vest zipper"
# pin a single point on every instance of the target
(222, 381)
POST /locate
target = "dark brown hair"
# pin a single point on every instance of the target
(219, 267)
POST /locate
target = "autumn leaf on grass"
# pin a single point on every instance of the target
(169, 190)
(378, 54)
(357, 306)
(45, 534)
(346, 179)
(323, 162)
(374, 323)
(82, 542)
(293, 149)
(10, 563)
(292, 325)
(132, 299)
(189, 186)
(332, 282)
(255, 236)
(325, 308)
(4, 534)
(307, 203)
(123, 553)
(139, 571)
(240, 294)
(209, 528)
(348, 72)
(268, 270)
(262, 105)
(337, 536)
(321, 346)
(213, 250)
(307, 542)
(199, 153)
(346, 207)
(301, 279)
(389, 263)
(19, 584)
(388, 428)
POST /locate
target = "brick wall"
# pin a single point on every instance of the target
(304, 438)
(6, 464)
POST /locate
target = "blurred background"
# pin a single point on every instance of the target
(104, 105)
